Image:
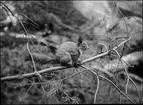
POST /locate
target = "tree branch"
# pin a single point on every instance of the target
(9, 78)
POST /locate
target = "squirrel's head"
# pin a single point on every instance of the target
(82, 44)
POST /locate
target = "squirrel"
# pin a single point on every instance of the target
(68, 53)
(65, 54)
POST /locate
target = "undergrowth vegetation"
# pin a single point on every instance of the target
(70, 85)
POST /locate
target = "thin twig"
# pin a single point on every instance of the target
(124, 94)
(126, 89)
(26, 33)
(115, 2)
(128, 77)
(72, 75)
(97, 88)
(69, 96)
(105, 53)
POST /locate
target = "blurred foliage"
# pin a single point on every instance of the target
(80, 87)
(39, 12)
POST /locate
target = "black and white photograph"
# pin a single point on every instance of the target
(71, 52)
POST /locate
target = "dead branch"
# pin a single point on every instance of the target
(121, 92)
(8, 78)
(105, 53)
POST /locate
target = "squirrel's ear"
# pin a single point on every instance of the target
(80, 40)
(53, 49)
